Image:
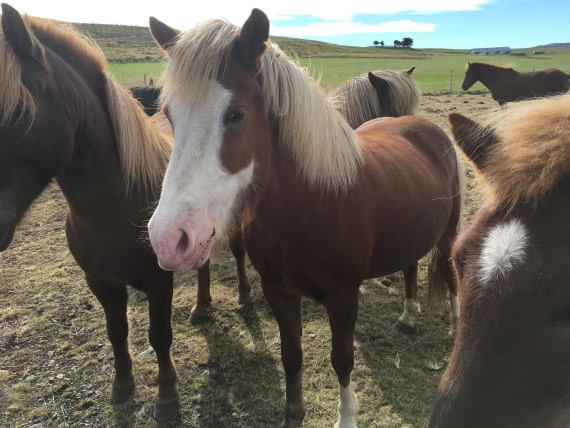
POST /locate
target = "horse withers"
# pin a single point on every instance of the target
(510, 365)
(323, 207)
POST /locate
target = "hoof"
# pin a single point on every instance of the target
(245, 306)
(198, 315)
(166, 411)
(402, 328)
(121, 393)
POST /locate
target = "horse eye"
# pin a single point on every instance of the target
(234, 115)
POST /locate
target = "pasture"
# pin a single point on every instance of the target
(436, 70)
(56, 363)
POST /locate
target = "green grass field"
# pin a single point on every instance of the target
(437, 70)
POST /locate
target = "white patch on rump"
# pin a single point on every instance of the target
(503, 250)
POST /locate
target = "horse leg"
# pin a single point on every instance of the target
(244, 288)
(448, 271)
(342, 319)
(203, 296)
(287, 310)
(406, 324)
(160, 338)
(114, 302)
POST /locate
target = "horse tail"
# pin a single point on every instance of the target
(436, 278)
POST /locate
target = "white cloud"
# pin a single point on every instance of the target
(325, 29)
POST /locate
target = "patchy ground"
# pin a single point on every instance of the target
(56, 363)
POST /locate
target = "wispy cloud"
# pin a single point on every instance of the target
(337, 28)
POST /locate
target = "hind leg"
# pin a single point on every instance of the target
(159, 294)
(203, 296)
(406, 324)
(449, 273)
(114, 302)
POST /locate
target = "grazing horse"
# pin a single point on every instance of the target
(383, 93)
(508, 85)
(323, 207)
(63, 117)
(510, 366)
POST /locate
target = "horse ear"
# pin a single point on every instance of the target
(253, 37)
(473, 139)
(164, 35)
(30, 56)
(381, 85)
(410, 71)
(16, 33)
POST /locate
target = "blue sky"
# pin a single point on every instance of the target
(454, 24)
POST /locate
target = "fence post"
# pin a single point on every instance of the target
(144, 79)
(450, 81)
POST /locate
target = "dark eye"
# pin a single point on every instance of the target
(234, 115)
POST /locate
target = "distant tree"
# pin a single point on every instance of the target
(407, 42)
(382, 43)
(397, 43)
(376, 43)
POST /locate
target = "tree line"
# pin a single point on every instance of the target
(406, 42)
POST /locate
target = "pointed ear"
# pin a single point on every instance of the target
(253, 38)
(473, 139)
(15, 32)
(410, 71)
(381, 85)
(164, 35)
(29, 54)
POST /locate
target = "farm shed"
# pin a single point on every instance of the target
(491, 51)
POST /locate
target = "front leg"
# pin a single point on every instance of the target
(114, 301)
(203, 297)
(287, 310)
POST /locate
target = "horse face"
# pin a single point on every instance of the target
(470, 77)
(212, 164)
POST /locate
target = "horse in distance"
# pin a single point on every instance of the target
(508, 85)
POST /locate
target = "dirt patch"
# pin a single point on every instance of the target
(56, 363)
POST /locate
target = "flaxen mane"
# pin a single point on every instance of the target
(321, 142)
(143, 149)
(357, 99)
(533, 152)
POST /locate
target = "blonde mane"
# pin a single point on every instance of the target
(144, 151)
(358, 102)
(323, 146)
(533, 152)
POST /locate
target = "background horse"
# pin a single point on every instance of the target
(511, 361)
(63, 116)
(148, 96)
(323, 207)
(383, 93)
(508, 85)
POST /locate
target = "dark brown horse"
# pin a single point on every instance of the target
(148, 96)
(508, 85)
(323, 206)
(63, 117)
(383, 93)
(510, 366)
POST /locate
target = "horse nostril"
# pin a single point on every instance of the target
(214, 231)
(183, 242)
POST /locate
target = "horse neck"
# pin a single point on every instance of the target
(491, 76)
(93, 169)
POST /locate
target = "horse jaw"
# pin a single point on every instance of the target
(199, 196)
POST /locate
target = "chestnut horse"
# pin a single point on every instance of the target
(323, 207)
(508, 85)
(383, 93)
(63, 117)
(510, 366)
